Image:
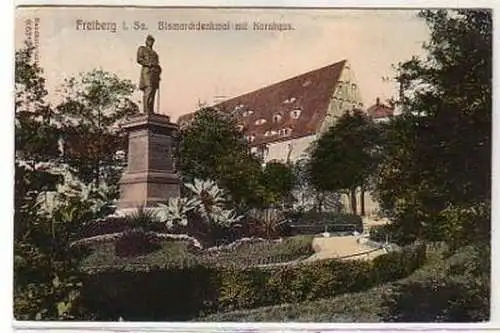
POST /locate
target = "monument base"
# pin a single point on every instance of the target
(150, 177)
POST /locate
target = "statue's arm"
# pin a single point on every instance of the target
(141, 58)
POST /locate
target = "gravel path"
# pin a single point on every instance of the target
(342, 246)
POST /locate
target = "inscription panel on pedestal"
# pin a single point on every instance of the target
(137, 154)
(160, 155)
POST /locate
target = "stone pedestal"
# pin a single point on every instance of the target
(150, 177)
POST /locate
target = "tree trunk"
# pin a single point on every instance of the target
(362, 200)
(354, 201)
(319, 202)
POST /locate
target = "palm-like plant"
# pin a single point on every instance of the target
(269, 220)
(224, 217)
(211, 201)
(176, 211)
(209, 195)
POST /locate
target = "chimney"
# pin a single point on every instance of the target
(377, 102)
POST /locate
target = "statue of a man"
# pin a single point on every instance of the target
(150, 74)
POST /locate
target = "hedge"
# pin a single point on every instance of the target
(315, 222)
(182, 293)
(366, 306)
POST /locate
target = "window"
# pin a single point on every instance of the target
(247, 113)
(277, 117)
(260, 121)
(238, 107)
(240, 127)
(250, 138)
(295, 114)
(285, 131)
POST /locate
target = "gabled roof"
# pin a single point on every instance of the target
(271, 109)
(380, 110)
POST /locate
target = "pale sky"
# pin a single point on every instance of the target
(199, 65)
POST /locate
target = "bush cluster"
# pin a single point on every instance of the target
(181, 293)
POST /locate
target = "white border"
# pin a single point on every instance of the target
(6, 170)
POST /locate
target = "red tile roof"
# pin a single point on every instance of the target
(380, 110)
(310, 93)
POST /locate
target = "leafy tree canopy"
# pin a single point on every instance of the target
(438, 155)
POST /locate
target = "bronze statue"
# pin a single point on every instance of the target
(150, 74)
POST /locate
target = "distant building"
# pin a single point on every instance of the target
(380, 112)
(280, 121)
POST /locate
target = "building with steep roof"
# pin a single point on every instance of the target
(380, 112)
(281, 120)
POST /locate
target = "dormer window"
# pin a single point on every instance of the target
(248, 113)
(295, 114)
(250, 138)
(239, 107)
(277, 117)
(285, 131)
(306, 83)
(260, 121)
(240, 127)
(268, 133)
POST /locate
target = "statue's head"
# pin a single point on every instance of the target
(150, 41)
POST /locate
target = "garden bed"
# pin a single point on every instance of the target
(170, 253)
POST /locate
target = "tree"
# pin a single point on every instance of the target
(36, 135)
(438, 155)
(278, 180)
(343, 158)
(212, 148)
(94, 105)
(45, 277)
(36, 138)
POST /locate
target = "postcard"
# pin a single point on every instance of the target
(252, 165)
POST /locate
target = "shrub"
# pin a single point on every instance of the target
(397, 264)
(197, 289)
(381, 233)
(459, 292)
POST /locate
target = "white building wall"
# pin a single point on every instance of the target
(289, 150)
